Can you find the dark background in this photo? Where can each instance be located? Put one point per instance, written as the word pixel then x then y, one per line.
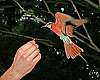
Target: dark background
pixel 54 65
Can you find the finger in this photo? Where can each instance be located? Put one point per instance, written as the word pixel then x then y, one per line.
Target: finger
pixel 27 45
pixel 30 50
pixel 33 64
pixel 36 59
pixel 33 55
pixel 22 49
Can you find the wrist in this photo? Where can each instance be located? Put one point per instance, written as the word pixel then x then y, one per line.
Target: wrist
pixel 10 74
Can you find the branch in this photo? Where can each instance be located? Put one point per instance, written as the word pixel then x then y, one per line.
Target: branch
pixel 48 8
pixel 97 49
pixel 43 41
pixel 90 39
pixel 93 56
pixel 38 19
pixel 99 2
pixel 53 16
pixel 81 35
pixel 86 44
pixel 19 6
pixel 92 3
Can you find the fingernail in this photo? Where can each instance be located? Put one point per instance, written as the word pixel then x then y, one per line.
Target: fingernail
pixel 39 50
pixel 33 41
pixel 37 46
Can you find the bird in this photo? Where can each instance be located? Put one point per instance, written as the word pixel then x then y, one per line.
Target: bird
pixel 65 32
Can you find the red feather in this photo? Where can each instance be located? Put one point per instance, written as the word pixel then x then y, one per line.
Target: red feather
pixel 71 49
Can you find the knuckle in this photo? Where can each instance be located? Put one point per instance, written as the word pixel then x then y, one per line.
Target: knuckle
pixel 33 41
pixel 28 60
pixel 24 56
pixel 36 45
pixel 19 52
pixel 36 51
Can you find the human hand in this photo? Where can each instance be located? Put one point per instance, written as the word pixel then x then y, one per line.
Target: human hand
pixel 25 59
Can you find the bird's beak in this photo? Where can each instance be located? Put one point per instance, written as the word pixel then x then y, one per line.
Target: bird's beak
pixel 47 25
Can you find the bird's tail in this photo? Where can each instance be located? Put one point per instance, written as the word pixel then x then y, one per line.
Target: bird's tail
pixel 72 50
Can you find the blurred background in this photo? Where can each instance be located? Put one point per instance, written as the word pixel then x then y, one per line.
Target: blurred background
pixel 22 20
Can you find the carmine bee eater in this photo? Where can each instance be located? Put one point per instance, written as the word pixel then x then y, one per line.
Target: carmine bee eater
pixel 65 31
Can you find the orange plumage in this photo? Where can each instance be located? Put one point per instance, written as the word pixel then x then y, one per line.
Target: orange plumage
pixel 66 31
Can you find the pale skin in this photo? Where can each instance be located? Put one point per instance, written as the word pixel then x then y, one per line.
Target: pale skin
pixel 26 57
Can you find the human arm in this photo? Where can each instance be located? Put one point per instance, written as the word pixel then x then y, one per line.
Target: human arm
pixel 25 60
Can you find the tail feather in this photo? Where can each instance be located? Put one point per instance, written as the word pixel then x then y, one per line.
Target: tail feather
pixel 69 51
pixel 66 46
pixel 72 50
pixel 75 52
